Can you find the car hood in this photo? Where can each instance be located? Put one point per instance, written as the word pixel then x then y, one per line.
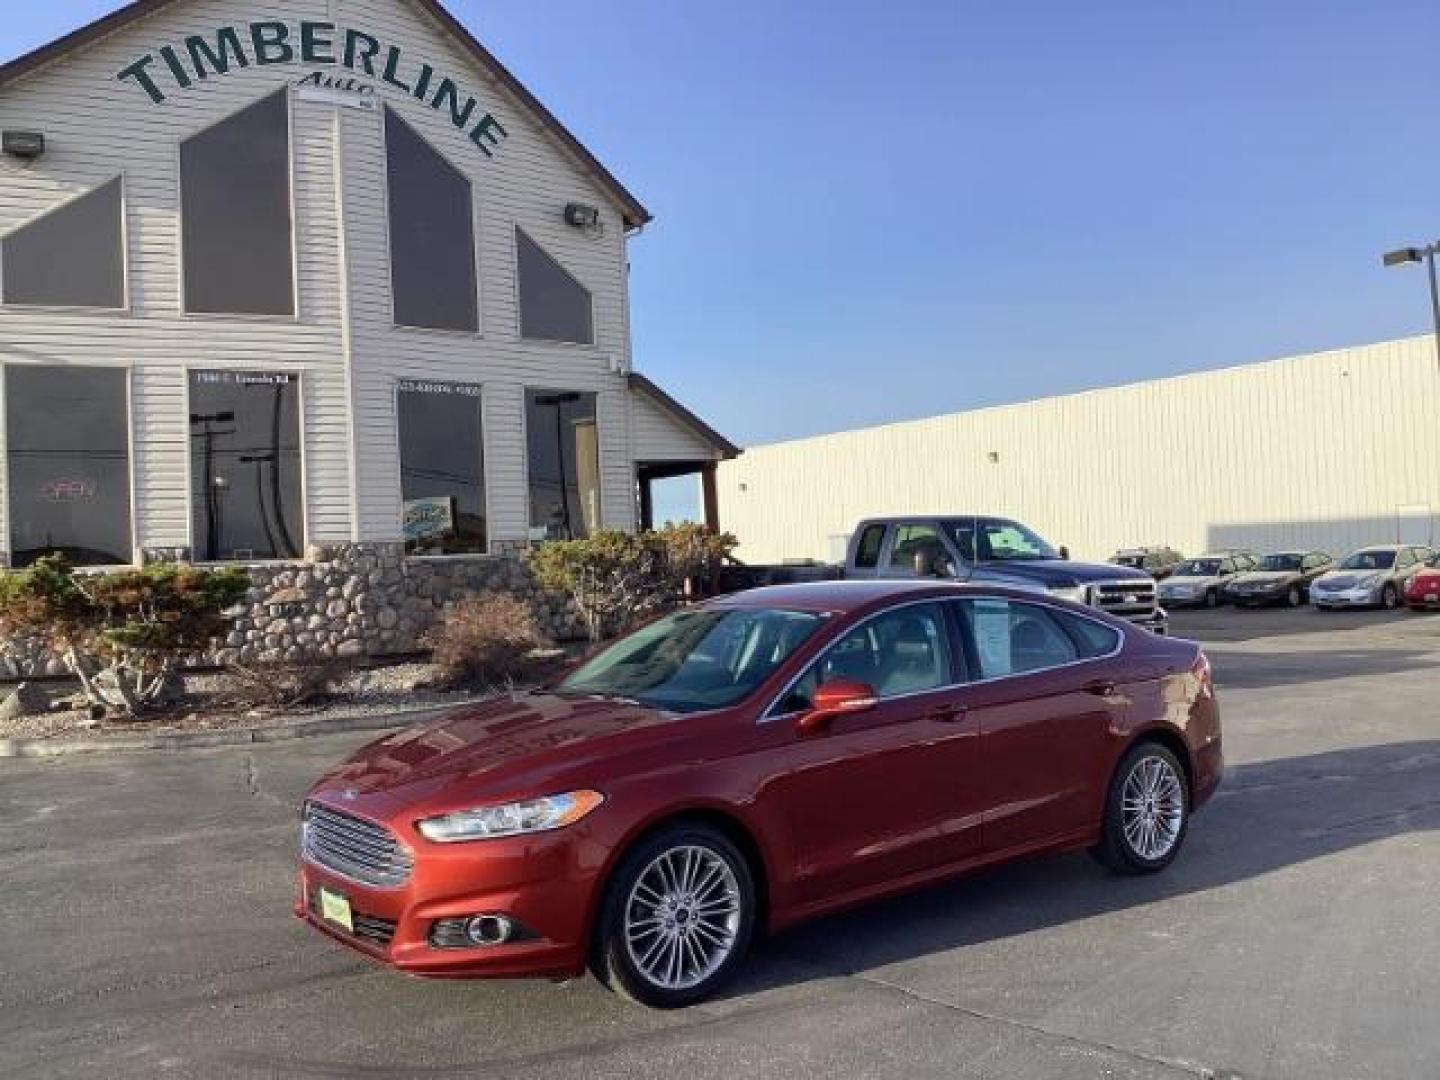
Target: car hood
pixel 1346 579
pixel 1058 573
pixel 509 745
pixel 1176 579
pixel 1264 577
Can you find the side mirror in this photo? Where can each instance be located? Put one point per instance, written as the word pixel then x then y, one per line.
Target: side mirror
pixel 1064 553
pixel 839 697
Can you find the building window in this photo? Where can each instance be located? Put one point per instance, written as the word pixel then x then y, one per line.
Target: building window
pixel 564 460
pixel 432 234
pixel 68 442
pixel 236 220
pixel 246 499
pixel 442 468
pixel 553 305
pixel 73 256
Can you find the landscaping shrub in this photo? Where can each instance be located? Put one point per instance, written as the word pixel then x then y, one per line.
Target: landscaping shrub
pixel 285 685
pixel 122 634
pixel 486 640
pixel 694 555
pixel 615 578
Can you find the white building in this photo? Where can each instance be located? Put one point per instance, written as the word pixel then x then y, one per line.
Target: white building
pixel 284 277
pixel 1329 451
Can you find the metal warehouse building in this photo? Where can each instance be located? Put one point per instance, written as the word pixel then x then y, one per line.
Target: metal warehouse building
pixel 1332 451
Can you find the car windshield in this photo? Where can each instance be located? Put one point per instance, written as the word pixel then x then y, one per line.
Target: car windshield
pixel 998 541
pixel 1280 562
pixel 694 660
pixel 1198 568
pixel 1369 560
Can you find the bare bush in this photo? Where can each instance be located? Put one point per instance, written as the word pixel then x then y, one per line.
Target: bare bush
pixel 286 685
pixel 486 641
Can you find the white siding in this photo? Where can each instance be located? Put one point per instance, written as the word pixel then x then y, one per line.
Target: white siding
pixel 97 127
pixel 1315 451
pixel 660 437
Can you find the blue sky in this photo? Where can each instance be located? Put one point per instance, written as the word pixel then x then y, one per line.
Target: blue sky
pixel 872 211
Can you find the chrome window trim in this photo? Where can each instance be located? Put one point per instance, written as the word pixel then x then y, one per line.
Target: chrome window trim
pixel 769 715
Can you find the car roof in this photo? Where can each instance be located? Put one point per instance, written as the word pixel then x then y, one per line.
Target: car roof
pixel 836 596
pixel 1384 547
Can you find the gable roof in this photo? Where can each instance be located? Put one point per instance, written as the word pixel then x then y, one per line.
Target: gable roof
pixel 635 214
pixel 641 385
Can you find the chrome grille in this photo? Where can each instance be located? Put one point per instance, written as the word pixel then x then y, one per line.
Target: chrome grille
pixel 1129 598
pixel 369 928
pixel 353 847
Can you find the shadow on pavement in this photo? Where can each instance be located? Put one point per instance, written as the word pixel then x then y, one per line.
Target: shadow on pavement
pixel 1256 671
pixel 1268 816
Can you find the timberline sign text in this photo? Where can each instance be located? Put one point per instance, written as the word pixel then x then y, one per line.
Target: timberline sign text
pixel 261 44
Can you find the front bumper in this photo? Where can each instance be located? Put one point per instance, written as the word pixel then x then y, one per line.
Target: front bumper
pixel 1345 598
pixel 540 882
pixel 1255 599
pixel 1157 622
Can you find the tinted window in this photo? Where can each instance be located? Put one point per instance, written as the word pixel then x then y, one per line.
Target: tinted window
pixel 694 660
pixel 904 651
pixel 432 234
pixel 564 464
pixel 1091 638
pixel 1012 638
pixel 72 257
pixel 67 433
pixel 235 194
pixel 553 305
pixel 915 542
pixel 1369 560
pixel 245 465
pixel 867 551
pixel 442 468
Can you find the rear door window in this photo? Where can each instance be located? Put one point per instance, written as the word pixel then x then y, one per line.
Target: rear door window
pixel 867 551
pixel 1011 638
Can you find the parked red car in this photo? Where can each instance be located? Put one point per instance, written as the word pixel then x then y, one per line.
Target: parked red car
pixel 1423 591
pixel 740 766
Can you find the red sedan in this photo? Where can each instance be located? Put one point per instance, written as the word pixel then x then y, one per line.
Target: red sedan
pixel 734 768
pixel 1423 591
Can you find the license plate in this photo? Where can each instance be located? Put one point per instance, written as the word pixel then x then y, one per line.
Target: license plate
pixel 336 909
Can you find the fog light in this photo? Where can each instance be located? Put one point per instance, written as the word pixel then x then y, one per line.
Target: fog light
pixel 489 929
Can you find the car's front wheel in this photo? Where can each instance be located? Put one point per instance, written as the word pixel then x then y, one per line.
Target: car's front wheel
pixel 1293 597
pixel 677 917
pixel 1389 597
pixel 1147 812
pixel 1212 598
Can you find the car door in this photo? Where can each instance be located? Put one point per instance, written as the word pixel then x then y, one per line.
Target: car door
pixel 887 792
pixel 1048 695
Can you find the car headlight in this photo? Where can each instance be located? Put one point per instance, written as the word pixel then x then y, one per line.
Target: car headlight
pixel 1077 593
pixel 511 819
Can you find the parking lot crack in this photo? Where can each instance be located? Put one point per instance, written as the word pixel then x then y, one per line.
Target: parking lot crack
pixel 252 782
pixel 1184 1068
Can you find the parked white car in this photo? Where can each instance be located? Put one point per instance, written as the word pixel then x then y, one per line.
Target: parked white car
pixel 1371 577
pixel 1200 582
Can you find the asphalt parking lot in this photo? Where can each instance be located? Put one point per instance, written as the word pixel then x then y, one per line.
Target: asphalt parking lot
pixel 145 925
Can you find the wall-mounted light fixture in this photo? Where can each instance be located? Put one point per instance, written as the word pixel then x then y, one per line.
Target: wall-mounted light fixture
pixel 580 216
pixel 25 145
pixel 994 456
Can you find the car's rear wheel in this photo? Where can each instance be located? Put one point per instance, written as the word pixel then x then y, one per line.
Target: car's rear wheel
pixel 677 917
pixel 1389 597
pixel 1147 812
pixel 1293 597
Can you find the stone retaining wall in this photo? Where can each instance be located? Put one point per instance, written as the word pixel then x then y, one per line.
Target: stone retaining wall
pixel 355 601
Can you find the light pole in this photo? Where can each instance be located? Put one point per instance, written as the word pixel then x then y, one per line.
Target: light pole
pixel 1407 256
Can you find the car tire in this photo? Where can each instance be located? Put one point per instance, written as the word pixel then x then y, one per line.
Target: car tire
pixel 1212 598
pixel 1390 597
pixel 1293 597
pixel 1147 812
pixel 677 917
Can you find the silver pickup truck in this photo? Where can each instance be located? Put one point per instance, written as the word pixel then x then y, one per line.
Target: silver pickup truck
pixel 1001 552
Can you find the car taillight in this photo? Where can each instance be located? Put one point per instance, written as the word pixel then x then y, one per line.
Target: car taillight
pixel 1201 668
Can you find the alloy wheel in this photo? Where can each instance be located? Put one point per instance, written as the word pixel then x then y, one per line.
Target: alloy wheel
pixel 682 917
pixel 1152 808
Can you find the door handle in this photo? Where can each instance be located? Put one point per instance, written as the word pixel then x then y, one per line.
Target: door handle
pixel 948 714
pixel 1100 688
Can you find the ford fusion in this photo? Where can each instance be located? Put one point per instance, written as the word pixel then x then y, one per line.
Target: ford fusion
pixel 737 767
